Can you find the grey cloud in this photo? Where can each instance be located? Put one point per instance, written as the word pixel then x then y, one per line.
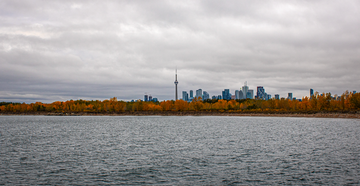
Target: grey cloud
pixel 53 50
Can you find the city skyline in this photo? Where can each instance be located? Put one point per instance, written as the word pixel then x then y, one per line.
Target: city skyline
pixel 94 50
pixel 243 93
pixel 238 93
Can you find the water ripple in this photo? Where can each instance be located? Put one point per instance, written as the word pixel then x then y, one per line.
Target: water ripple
pixel 38 150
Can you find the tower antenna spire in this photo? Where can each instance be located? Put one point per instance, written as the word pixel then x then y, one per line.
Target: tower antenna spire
pixel 176 83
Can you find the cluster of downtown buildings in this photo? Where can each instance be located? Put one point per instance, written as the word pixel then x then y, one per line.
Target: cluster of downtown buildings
pixel 243 93
pixel 149 98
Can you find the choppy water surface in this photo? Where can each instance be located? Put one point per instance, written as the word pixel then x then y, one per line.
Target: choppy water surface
pixel 178 150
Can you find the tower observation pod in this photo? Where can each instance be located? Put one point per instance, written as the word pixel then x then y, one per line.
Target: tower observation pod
pixel 176 83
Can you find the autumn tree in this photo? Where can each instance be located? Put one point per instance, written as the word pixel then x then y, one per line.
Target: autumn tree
pixel 181 105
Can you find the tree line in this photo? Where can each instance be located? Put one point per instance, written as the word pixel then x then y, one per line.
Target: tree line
pixel 347 102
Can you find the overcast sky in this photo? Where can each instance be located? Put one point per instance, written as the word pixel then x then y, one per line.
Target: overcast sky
pixel 60 50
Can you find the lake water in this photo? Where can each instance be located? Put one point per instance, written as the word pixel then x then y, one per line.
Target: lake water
pixel 176 150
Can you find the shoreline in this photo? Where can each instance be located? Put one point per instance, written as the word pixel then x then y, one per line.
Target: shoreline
pixel 305 115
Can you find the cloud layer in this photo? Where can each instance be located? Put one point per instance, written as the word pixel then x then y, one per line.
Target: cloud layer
pixel 61 50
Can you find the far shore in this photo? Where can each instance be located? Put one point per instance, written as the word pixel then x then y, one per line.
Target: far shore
pixel 354 115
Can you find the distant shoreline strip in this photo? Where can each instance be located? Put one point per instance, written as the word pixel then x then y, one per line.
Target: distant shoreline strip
pixel 306 115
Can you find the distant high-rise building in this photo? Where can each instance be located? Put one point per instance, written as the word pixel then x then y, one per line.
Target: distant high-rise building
pixel 191 94
pixel 242 95
pixel 248 95
pixel 185 96
pixel 206 95
pixel 265 96
pixel 146 98
pixel 154 99
pixel 277 96
pixel 245 89
pixel 311 92
pixel 150 98
pixel 237 94
pixel 354 92
pixel 199 93
pixel 260 93
pixel 251 95
pixel 226 94
pixel 219 97
pixel 290 96
pixel 268 96
pixel 247 92
pixel 213 97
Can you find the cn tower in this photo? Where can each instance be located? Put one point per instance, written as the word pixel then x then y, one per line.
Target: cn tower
pixel 176 83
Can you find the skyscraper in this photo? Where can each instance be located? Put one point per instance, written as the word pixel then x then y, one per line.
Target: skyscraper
pixel 237 94
pixel 146 97
pixel 198 93
pixel 277 96
pixel 242 95
pixel 268 96
pixel 176 83
pixel 290 96
pixel 185 96
pixel 311 92
pixel 245 89
pixel 248 95
pixel 226 94
pixel 260 93
pixel 191 94
pixel 206 95
pixel 251 95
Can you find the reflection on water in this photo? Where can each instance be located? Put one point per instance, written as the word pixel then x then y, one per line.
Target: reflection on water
pixel 178 150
